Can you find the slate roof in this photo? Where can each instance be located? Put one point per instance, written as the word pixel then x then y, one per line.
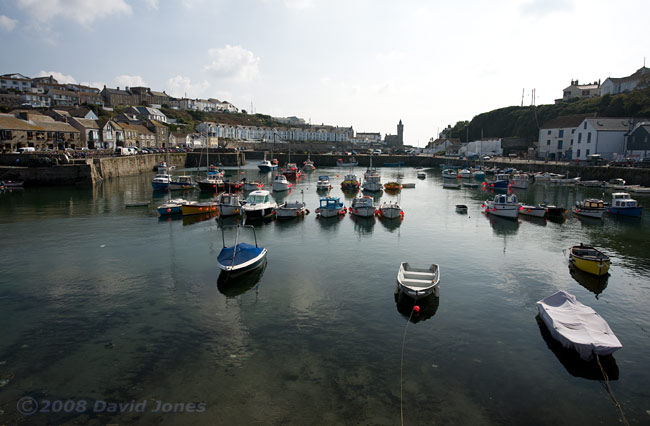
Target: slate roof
pixel 565 121
pixel 634 77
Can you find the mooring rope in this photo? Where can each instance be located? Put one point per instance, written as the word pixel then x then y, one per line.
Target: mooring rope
pixel 401 366
pixel 611 394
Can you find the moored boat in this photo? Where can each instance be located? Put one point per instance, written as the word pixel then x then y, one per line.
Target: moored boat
pixel 589 259
pixel 181 183
pixel 577 326
pixel 421 174
pixel 289 210
pixel 350 182
pixel 554 211
pixel 590 207
pixel 391 210
pixel 330 207
pixel 352 162
pixel 363 206
pixel 171 207
pixel 291 171
pixel 259 204
pixel 465 174
pixel 450 185
pixel 461 208
pixel 308 165
pixel 252 185
pixel 624 205
pixel 160 182
pixel 280 183
pixel 519 181
pixel 530 210
pixel 503 205
pixel 449 174
pixel 240 257
pixel 204 207
pixel 418 282
pixel 210 184
pixel 393 186
pixel 501 181
pixel 229 204
pixel 323 183
pixel 266 166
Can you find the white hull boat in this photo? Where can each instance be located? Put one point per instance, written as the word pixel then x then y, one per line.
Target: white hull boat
pixel 534 211
pixel 280 183
pixel 289 210
pixel 589 208
pixel 391 210
pixel 323 182
pixel 372 183
pixel 418 282
pixel 229 204
pixel 363 207
pixel 503 205
pixel 259 204
pixel 331 207
pixel 577 326
pixel 450 185
pixel 519 181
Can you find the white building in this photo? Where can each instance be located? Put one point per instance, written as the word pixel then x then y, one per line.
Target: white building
pixel 604 136
pixel 556 136
pixel 488 146
pixel 614 86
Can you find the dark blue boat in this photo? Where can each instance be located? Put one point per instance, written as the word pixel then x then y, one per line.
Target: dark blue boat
pixel 241 257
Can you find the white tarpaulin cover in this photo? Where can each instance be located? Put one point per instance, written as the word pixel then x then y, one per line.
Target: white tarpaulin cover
pixel 577 326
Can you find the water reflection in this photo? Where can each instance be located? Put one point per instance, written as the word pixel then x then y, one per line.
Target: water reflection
pixel 233 286
pixel 503 226
pixel 170 217
pixel 196 218
pixel 593 283
pixel 350 194
pixel 363 225
pixel 228 220
pixel 280 196
pixel 572 362
pixel 391 224
pixel 590 221
pixel 376 195
pixel 428 306
pixel 329 222
pixel 539 221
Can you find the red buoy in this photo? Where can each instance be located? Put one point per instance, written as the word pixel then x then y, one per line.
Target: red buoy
pixel 416 308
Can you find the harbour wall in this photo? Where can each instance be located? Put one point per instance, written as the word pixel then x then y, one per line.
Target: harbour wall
pixel 215 157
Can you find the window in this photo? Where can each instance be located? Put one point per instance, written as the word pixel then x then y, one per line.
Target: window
pixel 548 132
pixel 585 126
pixel 587 153
pixel 559 144
pixel 579 137
pixel 589 137
pixel 548 142
pixel 578 153
pixel 571 143
pixel 561 134
pixel 573 131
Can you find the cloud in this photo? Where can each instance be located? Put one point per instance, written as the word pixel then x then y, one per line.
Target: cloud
pixel 546 7
pixel 96 84
pixel 82 11
pixel 153 4
pixel 125 80
pixel 180 86
pixel 7 23
pixel 233 62
pixel 59 76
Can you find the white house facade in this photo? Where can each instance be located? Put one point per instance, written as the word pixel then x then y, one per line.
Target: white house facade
pixel 482 147
pixel 556 137
pixel 604 136
pixel 614 86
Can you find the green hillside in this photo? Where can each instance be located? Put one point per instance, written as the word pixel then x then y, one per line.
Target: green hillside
pixel 517 121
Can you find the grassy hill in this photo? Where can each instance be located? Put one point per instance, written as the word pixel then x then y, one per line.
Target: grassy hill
pixel 517 121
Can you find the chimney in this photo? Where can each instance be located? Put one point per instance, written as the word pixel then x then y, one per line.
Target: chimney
pixel 118 87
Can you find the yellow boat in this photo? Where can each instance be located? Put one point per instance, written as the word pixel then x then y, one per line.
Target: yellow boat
pixel 589 259
pixel 200 208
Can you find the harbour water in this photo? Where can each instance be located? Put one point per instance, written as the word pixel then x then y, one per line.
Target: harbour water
pixel 107 304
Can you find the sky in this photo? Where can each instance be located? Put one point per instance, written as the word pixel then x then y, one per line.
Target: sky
pixel 360 63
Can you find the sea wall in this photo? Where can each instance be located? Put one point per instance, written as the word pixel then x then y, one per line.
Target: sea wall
pixel 237 158
pixel 111 167
pixel 66 174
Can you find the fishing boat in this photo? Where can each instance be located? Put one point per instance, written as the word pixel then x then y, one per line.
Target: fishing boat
pixel 164 168
pixel 420 173
pixel 323 183
pixel 280 183
pixel 465 174
pixel 553 211
pixel 590 207
pixel 171 207
pixel 363 206
pixel 351 162
pixel 229 204
pixel 205 207
pixel 240 257
pixel 471 184
pixel 266 166
pixel 391 210
pixel 291 171
pixel 418 283
pixel 160 182
pixel 253 185
pixel 461 208
pixel 259 204
pixel 330 207
pixel 501 181
pixel 181 183
pixel 503 205
pixel 232 185
pixel 393 186
pixel 624 205
pixel 350 182
pixel 589 259
pixel 291 209
pixel 12 183
pixel 308 165
pixel 211 184
pixel 372 183
pixel 530 210
pixel 449 174
pixel 450 185
pixel 519 181
pixel 577 326
pixel 478 174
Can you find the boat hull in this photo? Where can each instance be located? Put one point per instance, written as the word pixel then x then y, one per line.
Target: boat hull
pixel 391 212
pixel 362 211
pixel 627 211
pixel 266 169
pixel 247 258
pixel 418 283
pixel 595 264
pixel 532 211
pixel 279 187
pixel 169 209
pixel 199 208
pixel 258 212
pixel 509 212
pixel 595 213
pixel 206 186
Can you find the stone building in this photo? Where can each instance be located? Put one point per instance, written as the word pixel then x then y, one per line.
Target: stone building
pixel 398 139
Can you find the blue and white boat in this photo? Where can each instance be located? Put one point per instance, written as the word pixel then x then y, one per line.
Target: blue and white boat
pixel 172 207
pixel 240 257
pixel 266 166
pixel 449 174
pixel 624 205
pixel 330 207
pixel 502 181
pixel 160 182
pixel 182 182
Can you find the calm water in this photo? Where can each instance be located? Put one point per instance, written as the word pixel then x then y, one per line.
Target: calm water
pixel 99 302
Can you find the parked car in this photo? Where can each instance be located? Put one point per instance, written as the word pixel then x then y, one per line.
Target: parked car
pixel 622 162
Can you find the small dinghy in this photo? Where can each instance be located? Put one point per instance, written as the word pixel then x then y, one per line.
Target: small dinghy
pixel 577 326
pixel 589 259
pixel 240 257
pixel 461 208
pixel 418 282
